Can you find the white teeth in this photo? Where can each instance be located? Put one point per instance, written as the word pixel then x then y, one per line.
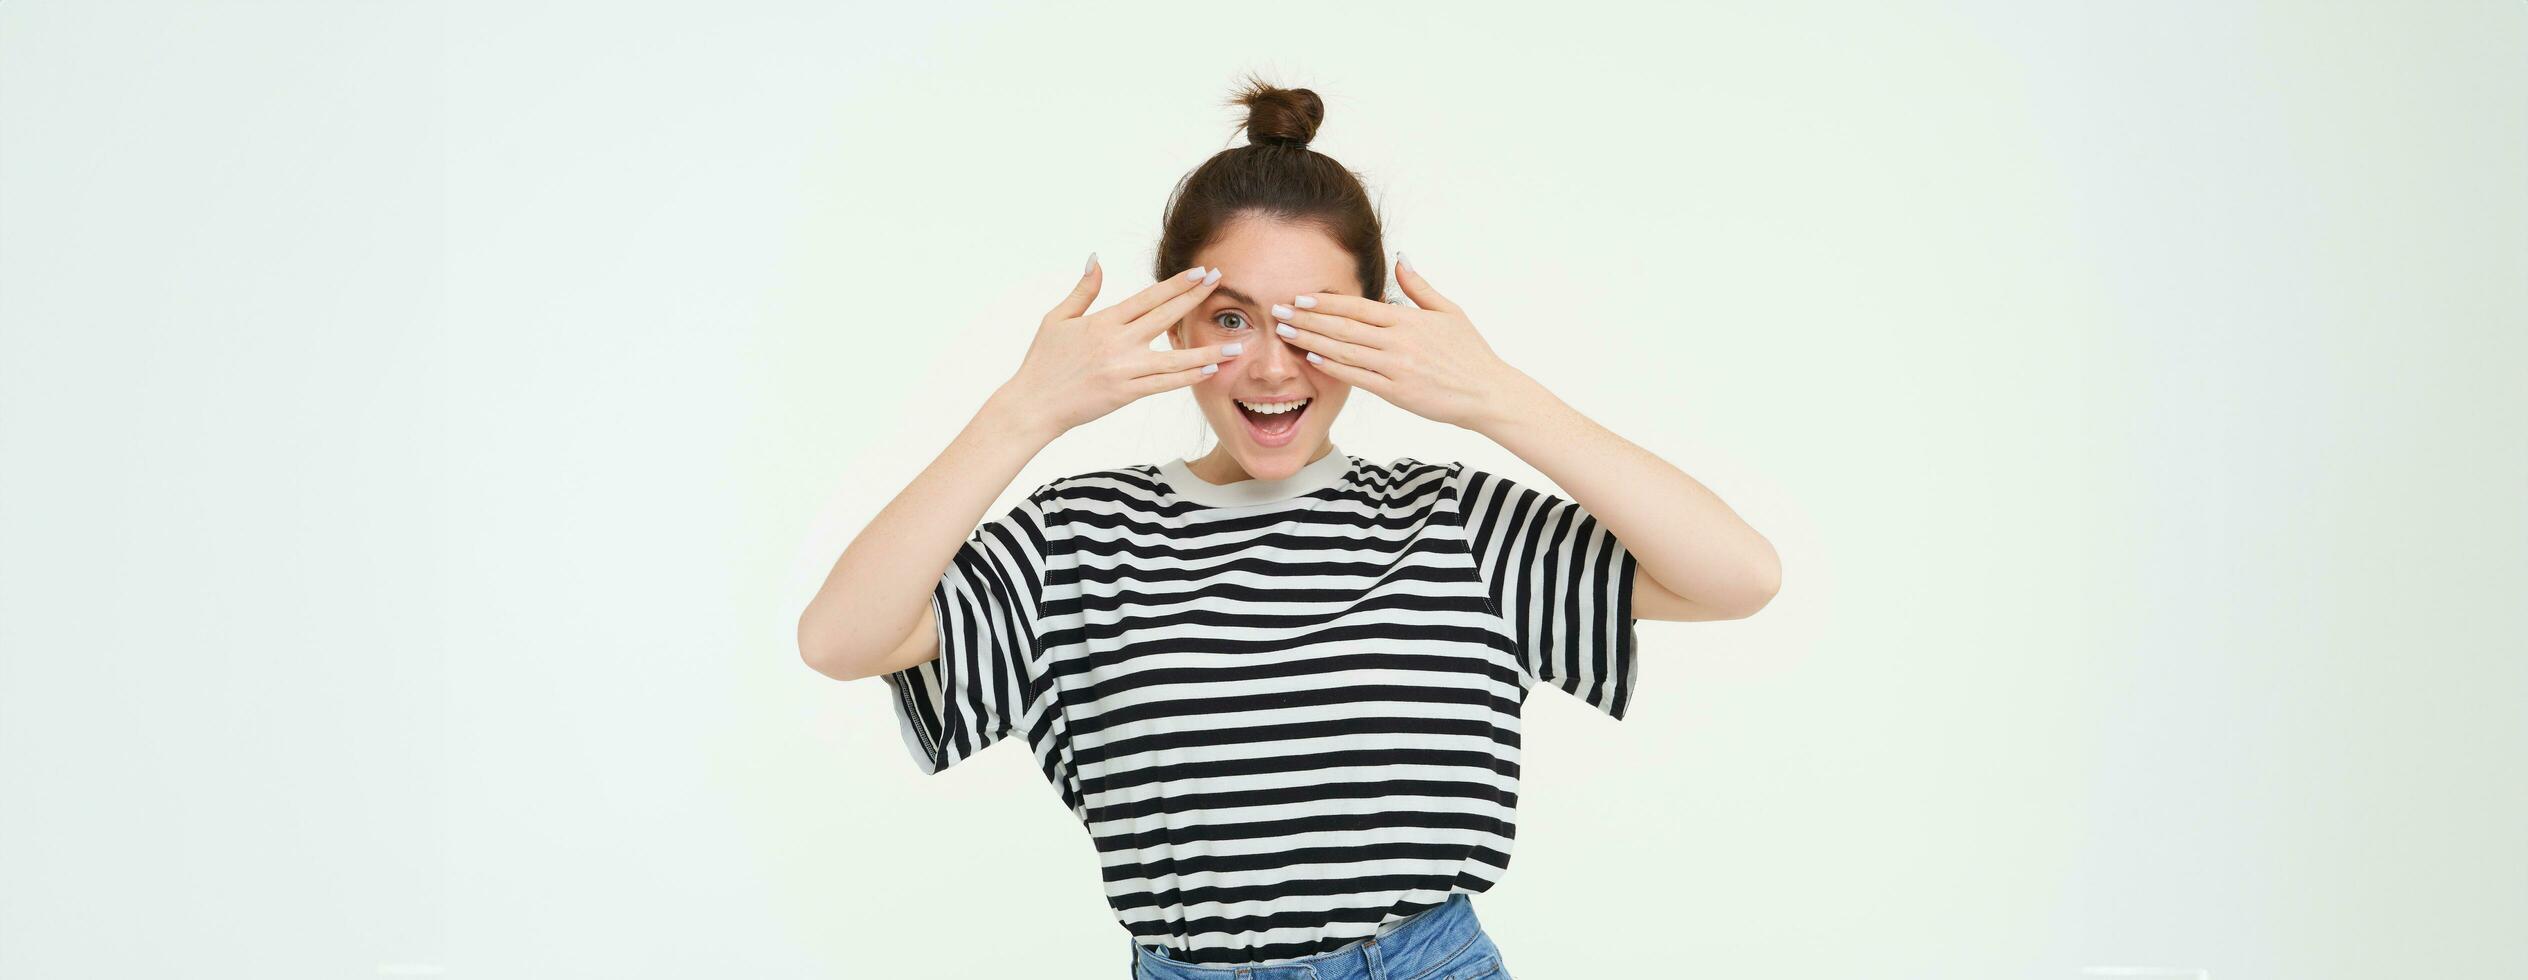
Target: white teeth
pixel 1275 408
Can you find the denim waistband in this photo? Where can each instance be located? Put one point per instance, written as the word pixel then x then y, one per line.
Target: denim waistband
pixel 1412 948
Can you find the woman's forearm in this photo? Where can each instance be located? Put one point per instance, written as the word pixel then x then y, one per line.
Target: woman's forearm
pixel 876 592
pixel 1685 538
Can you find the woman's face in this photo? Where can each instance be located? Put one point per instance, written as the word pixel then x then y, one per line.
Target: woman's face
pixel 1264 262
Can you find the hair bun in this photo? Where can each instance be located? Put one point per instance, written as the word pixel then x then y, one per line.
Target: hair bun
pixel 1280 116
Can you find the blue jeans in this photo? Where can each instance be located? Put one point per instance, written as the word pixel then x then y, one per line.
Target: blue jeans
pixel 1443 942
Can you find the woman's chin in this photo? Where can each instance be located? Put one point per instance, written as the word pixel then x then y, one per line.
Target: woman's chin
pixel 1265 462
pixel 1275 462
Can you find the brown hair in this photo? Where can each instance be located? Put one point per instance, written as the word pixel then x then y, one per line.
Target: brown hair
pixel 1274 175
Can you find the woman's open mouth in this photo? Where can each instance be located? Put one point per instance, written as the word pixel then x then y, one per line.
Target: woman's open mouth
pixel 1272 423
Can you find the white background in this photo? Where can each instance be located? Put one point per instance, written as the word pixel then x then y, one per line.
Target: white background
pixel 414 414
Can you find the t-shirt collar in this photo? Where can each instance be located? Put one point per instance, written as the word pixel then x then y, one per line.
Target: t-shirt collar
pixel 1327 471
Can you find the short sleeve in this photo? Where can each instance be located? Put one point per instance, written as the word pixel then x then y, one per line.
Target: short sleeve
pixel 987 680
pixel 1561 581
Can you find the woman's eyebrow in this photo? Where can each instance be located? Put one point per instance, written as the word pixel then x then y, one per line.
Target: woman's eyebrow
pixel 1244 299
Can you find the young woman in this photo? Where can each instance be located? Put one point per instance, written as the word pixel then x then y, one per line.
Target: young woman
pixel 1280 685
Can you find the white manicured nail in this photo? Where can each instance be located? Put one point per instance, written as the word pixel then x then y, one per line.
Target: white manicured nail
pixel 1211 369
pixel 1306 302
pixel 1194 273
pixel 1213 277
pixel 1314 359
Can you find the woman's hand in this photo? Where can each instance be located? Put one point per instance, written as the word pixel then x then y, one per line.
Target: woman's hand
pixel 1428 361
pixel 1081 367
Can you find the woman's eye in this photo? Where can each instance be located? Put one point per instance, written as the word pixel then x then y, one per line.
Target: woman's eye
pixel 1227 314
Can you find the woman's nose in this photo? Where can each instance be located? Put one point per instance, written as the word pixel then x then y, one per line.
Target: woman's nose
pixel 1273 352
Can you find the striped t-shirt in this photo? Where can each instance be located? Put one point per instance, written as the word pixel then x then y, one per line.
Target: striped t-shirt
pixel 1287 711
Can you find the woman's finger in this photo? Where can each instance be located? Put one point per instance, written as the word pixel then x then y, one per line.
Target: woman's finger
pixel 1360 308
pixel 1341 328
pixel 1082 293
pixel 1369 358
pixel 1155 322
pixel 1151 384
pixel 1419 289
pixel 1191 358
pixel 1134 306
pixel 1354 375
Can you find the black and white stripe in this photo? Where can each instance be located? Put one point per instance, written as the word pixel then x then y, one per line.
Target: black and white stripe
pixel 1549 567
pixel 1285 719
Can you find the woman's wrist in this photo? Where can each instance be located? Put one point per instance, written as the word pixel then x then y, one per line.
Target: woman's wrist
pixel 1516 399
pixel 1010 412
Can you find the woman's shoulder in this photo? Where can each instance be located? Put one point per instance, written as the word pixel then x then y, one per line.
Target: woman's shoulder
pixel 1147 480
pixel 1126 476
pixel 1404 470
